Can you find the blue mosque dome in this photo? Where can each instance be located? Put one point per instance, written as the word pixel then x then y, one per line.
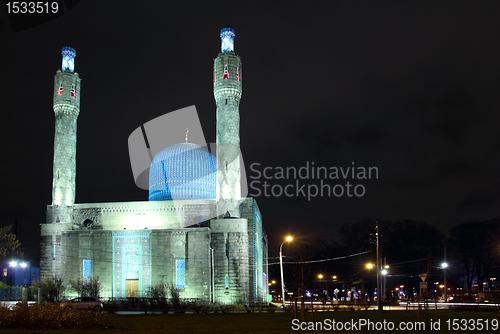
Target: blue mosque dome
pixel 182 171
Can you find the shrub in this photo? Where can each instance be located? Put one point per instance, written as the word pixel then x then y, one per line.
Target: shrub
pixel 51 317
pixel 178 305
pixel 159 297
pixel 52 288
pixel 92 288
pixel 200 307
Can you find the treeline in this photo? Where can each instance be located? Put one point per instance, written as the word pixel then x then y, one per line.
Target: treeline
pixel 411 249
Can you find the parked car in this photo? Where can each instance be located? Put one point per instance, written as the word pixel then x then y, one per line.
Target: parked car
pixel 84 302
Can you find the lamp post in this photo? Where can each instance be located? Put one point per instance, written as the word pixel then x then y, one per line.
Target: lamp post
pixel 444 265
pixel 281 269
pixel 272 292
pixel 320 276
pixel 384 272
pixel 13 264
pixel 24 265
pixel 379 260
pixel 365 288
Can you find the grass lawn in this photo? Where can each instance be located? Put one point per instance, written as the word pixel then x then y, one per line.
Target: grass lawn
pixel 272 322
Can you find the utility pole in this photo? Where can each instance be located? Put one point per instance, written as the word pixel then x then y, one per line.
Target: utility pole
pixel 444 272
pixel 385 277
pixel 379 270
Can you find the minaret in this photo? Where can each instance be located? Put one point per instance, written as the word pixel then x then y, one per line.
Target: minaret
pixel 66 108
pixel 227 93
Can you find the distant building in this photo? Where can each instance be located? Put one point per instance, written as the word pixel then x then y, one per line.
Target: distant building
pixel 18 273
pixel 133 246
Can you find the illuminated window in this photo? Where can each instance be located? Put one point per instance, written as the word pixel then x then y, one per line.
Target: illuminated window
pixel 180 273
pixel 238 76
pixel 60 89
pixel 227 282
pixel 54 252
pixel 4 272
pixel 226 72
pixel 214 75
pixel 87 271
pixel 73 90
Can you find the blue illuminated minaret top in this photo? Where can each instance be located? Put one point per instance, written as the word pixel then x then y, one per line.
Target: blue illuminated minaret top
pixel 227 38
pixel 68 59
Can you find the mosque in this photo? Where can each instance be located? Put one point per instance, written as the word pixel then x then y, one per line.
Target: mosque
pixel 133 246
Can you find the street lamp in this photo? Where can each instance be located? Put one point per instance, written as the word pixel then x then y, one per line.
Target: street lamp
pixel 281 268
pixel 369 266
pixel 320 276
pixel 384 272
pixel 444 265
pixel 13 264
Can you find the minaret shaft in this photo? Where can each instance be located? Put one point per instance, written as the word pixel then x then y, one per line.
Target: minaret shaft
pixel 66 107
pixel 227 93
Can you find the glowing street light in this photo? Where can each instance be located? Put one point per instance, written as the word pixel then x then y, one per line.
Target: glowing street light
pixel 370 265
pixel 320 276
pixel 281 268
pixel 14 264
pixel 444 265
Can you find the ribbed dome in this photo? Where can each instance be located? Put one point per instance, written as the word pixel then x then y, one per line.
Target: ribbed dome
pixel 182 171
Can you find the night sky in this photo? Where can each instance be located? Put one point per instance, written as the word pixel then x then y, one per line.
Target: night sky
pixel 409 87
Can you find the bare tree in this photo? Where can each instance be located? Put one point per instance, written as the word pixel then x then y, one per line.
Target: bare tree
pixel 475 244
pixel 92 288
pixel 301 271
pixel 52 288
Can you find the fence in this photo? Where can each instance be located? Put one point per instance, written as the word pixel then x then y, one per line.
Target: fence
pixel 15 293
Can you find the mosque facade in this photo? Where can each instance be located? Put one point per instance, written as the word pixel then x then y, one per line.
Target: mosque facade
pixel 135 246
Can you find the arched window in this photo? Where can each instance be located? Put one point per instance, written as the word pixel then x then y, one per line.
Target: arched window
pixel 60 89
pixel 87 223
pixel 226 72
pixel 73 90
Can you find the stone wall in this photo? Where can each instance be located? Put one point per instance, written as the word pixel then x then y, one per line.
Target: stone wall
pixel 192 244
pixel 230 244
pixel 76 242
